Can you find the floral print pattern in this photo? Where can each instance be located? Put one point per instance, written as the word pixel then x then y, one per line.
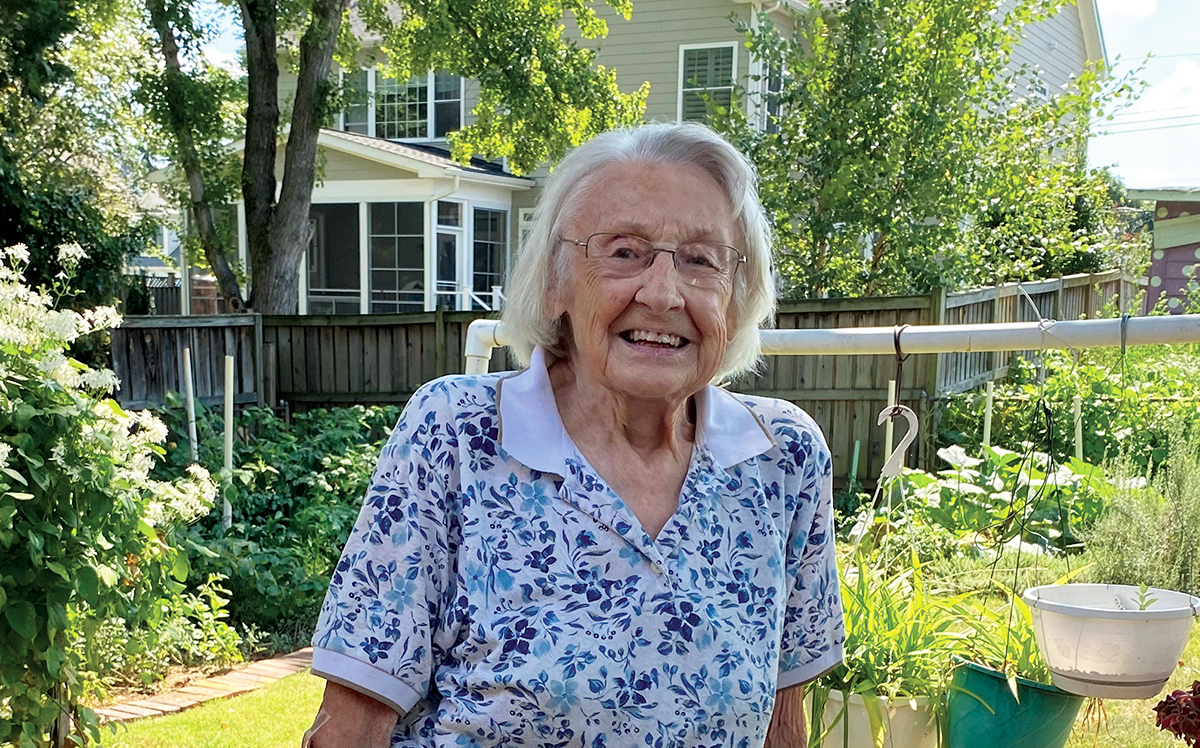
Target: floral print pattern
pixel 517 607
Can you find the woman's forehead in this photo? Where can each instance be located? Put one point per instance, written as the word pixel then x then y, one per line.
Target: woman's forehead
pixel 652 199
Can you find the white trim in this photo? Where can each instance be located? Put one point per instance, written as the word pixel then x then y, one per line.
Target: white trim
pixel 364 259
pixel 1167 194
pixel 679 77
pixel 302 302
pixel 756 110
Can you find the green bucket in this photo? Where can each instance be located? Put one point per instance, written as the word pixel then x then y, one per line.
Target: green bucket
pixel 1043 718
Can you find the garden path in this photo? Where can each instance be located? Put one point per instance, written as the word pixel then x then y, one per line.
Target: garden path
pixel 234 682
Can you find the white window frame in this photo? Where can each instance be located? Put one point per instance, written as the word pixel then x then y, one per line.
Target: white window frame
pixel 683 48
pixel 430 116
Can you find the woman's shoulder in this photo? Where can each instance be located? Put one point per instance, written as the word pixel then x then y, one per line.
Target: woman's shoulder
pixel 449 393
pixel 785 421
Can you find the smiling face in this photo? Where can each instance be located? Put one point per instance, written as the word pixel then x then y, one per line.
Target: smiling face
pixel 655 335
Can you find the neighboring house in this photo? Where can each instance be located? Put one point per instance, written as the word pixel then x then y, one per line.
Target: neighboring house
pixel 399 226
pixel 1176 256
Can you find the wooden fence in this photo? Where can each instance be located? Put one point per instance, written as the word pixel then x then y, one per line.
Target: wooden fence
pixel 310 361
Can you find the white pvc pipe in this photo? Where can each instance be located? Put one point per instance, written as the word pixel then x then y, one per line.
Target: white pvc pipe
pixel 189 394
pixel 483 335
pixel 1077 406
pixel 226 509
pixel 987 414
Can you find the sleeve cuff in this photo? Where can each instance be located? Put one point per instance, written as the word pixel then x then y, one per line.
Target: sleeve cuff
pixel 809 672
pixel 364 678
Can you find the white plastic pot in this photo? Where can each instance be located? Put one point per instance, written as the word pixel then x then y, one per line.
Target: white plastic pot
pixel 1099 642
pixel 904 726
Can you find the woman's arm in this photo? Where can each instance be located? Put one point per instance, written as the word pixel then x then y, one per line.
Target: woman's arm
pixel 788 729
pixel 349 719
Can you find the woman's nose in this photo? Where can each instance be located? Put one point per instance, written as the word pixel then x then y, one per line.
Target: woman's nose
pixel 660 284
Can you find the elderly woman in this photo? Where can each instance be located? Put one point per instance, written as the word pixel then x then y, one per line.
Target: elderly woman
pixel 603 549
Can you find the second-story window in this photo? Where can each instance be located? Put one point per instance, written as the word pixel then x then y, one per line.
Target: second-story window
pixel 425 107
pixel 705 70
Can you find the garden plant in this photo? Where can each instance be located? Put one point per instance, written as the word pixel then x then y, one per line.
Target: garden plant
pixel 86 535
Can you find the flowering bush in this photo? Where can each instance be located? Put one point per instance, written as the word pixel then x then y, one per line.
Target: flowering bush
pixel 84 531
pixel 1179 714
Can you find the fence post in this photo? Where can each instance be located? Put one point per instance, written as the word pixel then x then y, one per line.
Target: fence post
pixel 259 368
pixel 270 375
pixel 439 342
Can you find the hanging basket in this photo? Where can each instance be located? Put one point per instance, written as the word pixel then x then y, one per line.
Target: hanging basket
pixel 904 726
pixel 982 711
pixel 1111 640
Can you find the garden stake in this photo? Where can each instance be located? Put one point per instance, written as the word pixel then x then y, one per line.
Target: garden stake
pixel 1077 405
pixel 190 400
pixel 987 414
pixel 226 509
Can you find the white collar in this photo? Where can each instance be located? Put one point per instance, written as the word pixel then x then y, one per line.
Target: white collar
pixel 532 432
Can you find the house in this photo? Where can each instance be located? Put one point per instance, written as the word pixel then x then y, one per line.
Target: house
pixel 399 226
pixel 1175 260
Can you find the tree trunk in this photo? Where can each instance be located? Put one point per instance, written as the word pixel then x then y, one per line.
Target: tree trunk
pixel 259 21
pixel 276 251
pixel 201 211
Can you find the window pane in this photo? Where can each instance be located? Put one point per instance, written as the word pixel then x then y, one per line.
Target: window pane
pixel 449 214
pixel 383 218
pixel 383 252
pixel 383 280
pixel 709 71
pixel 447 118
pixel 354 92
pixel 402 109
pixel 447 87
pixel 490 249
pixel 410 218
pixel 410 252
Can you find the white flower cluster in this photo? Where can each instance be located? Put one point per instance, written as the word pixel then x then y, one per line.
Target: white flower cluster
pixel 183 501
pixel 70 255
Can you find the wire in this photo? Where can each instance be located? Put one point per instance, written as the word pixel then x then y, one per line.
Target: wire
pixel 1147 129
pixel 1156 119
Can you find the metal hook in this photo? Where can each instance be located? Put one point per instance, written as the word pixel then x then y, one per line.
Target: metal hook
pixel 901 356
pixel 895 461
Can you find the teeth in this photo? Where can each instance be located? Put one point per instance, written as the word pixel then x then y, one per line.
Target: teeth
pixel 656 337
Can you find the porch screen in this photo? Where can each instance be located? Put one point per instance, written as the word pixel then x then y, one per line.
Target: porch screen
pixel 397 257
pixel 333 278
pixel 491 250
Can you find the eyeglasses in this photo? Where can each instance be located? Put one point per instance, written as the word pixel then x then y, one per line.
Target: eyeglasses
pixel 626 256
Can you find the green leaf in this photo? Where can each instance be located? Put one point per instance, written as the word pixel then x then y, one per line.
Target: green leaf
pixel 19 496
pixel 58 569
pixel 22 618
pixel 87 584
pixel 181 567
pixel 109 577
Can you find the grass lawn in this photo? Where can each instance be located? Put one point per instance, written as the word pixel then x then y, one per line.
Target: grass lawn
pixel 277 716
pixel 274 716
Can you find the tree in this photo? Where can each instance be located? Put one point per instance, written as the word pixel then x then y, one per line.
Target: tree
pixel 540 94
pixel 69 142
pixel 895 135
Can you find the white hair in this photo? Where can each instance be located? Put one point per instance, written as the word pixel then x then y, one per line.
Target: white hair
pixel 540 261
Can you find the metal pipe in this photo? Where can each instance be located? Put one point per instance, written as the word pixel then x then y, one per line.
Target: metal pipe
pixel 484 335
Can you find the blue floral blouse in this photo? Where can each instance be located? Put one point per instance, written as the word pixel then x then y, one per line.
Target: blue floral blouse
pixel 497 593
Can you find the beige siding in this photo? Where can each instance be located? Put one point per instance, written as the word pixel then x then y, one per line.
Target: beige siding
pixel 1056 46
pixel 646 47
pixel 335 166
pixel 338 166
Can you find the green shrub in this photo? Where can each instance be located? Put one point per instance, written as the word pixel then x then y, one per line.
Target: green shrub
pixel 1150 531
pixel 295 493
pixel 84 530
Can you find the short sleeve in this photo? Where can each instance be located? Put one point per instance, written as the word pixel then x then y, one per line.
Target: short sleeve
pixel 382 624
pixel 813 630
